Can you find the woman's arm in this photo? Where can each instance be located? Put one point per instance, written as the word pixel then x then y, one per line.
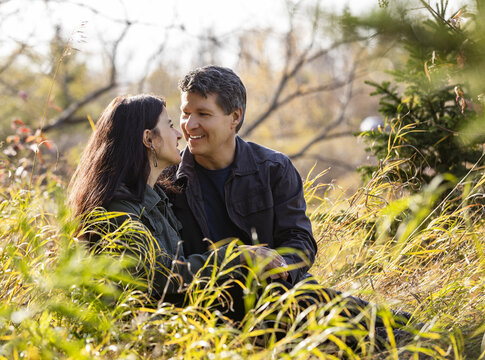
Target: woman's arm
pixel 167 272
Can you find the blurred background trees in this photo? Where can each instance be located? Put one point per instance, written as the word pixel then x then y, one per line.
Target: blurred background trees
pixel 305 77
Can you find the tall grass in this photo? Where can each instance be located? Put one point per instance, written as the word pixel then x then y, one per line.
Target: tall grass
pixel 59 300
pixel 421 252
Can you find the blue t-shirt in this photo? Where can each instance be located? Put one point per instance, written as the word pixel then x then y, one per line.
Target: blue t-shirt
pixel 212 186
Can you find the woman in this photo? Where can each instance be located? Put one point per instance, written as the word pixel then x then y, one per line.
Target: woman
pixel 134 142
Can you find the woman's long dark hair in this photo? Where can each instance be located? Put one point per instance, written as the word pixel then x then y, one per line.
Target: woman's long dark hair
pixel 115 154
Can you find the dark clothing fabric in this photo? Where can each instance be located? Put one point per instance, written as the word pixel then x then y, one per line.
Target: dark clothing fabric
pixel 193 241
pixel 213 181
pixel 163 252
pixel 350 306
pixel 263 196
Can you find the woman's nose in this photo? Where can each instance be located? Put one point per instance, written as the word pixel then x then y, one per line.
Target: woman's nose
pixel 179 134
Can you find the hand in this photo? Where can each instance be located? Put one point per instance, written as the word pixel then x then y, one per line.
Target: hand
pixel 260 253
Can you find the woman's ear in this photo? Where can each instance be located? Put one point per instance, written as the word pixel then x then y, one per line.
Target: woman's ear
pixel 147 138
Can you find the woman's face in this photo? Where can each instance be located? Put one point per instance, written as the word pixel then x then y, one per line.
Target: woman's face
pixel 166 141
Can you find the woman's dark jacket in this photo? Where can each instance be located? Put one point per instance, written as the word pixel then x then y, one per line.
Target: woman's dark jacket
pixel 164 251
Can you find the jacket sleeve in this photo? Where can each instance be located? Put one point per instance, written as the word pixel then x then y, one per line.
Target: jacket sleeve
pixel 166 273
pixel 292 227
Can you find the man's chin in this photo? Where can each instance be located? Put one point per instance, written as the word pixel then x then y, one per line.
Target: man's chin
pixel 195 150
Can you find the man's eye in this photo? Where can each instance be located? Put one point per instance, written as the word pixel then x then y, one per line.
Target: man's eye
pixel 204 114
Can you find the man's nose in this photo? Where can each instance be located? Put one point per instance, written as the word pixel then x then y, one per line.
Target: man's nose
pixel 191 122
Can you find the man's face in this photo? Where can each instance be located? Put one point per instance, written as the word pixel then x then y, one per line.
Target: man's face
pixel 209 132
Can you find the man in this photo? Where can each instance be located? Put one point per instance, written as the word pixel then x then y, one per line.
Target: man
pixel 235 188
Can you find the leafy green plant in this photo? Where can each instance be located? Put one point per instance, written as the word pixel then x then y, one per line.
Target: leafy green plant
pixel 428 109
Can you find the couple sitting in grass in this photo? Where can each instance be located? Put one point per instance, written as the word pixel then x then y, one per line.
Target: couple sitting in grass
pixel 194 202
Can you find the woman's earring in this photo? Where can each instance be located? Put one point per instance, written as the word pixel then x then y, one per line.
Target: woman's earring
pixel 154 155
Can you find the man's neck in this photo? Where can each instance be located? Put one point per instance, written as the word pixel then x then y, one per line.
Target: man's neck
pixel 221 160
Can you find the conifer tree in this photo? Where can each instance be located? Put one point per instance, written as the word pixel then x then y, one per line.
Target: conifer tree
pixel 432 108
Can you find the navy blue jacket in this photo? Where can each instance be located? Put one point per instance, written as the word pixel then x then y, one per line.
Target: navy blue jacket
pixel 264 192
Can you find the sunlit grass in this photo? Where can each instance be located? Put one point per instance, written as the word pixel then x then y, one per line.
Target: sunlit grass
pixel 415 252
pixel 59 299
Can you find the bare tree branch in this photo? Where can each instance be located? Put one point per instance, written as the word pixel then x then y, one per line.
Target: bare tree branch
pixel 332 162
pixel 66 115
pixel 324 134
pixel 290 73
pixel 94 10
pixel 151 60
pixel 114 52
pixel 332 136
pixel 13 56
pixel 12 89
pixel 305 91
pixel 3 2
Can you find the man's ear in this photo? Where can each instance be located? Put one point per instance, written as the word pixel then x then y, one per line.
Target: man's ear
pixel 147 138
pixel 236 118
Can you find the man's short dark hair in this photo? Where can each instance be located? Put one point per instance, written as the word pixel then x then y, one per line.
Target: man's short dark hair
pixel 211 79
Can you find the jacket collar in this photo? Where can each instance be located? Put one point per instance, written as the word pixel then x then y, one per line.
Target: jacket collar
pixel 151 196
pixel 244 162
pixel 187 165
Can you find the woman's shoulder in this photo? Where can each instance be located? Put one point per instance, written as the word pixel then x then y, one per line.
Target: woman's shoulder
pixel 125 206
pixel 121 204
